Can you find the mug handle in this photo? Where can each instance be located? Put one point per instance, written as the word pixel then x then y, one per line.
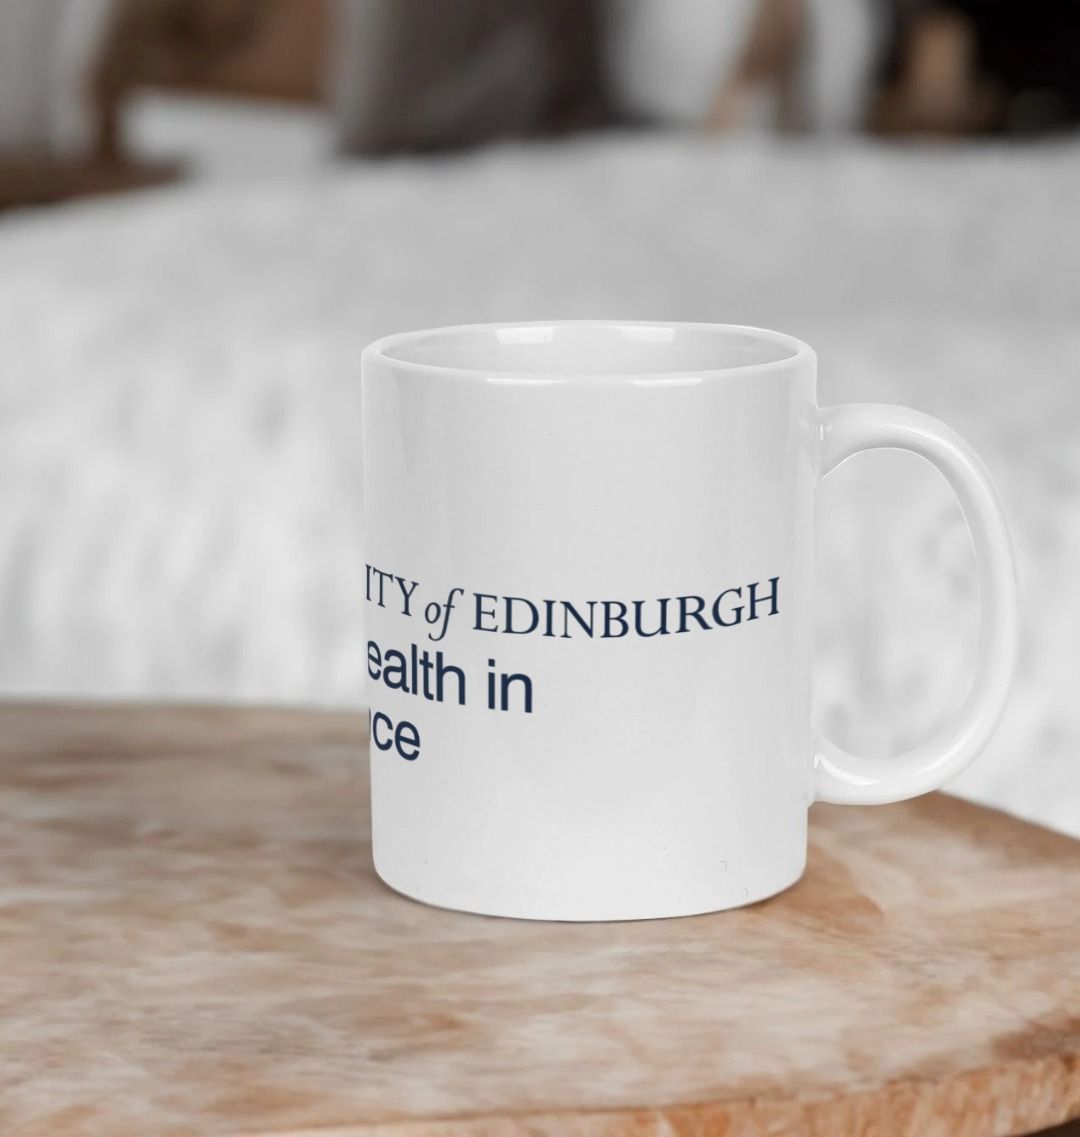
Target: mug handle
pixel 848 778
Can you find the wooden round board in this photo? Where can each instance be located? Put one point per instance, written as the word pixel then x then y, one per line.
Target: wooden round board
pixel 194 942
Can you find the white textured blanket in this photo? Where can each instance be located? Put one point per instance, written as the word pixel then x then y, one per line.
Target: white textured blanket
pixel 179 468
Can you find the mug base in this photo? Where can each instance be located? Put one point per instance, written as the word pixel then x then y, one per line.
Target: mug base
pixel 579 912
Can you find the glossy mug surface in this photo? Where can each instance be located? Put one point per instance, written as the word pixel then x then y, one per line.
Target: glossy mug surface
pixel 589 614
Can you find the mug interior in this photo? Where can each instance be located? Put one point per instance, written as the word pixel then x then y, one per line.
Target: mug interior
pixel 591 348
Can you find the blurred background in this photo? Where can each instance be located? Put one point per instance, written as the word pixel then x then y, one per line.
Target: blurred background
pixel 208 207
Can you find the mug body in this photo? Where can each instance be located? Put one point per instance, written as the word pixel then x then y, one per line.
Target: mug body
pixel 589 612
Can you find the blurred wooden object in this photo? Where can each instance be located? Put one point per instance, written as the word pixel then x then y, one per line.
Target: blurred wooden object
pixel 768 63
pixel 976 67
pixel 28 179
pixel 937 89
pixel 952 68
pixel 195 942
pixel 272 49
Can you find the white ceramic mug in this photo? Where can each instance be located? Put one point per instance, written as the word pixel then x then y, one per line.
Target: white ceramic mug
pixel 590 604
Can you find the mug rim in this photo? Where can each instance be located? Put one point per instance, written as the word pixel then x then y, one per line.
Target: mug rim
pixel 797 351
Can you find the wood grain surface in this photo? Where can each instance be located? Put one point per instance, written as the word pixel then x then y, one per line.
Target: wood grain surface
pixel 194 943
